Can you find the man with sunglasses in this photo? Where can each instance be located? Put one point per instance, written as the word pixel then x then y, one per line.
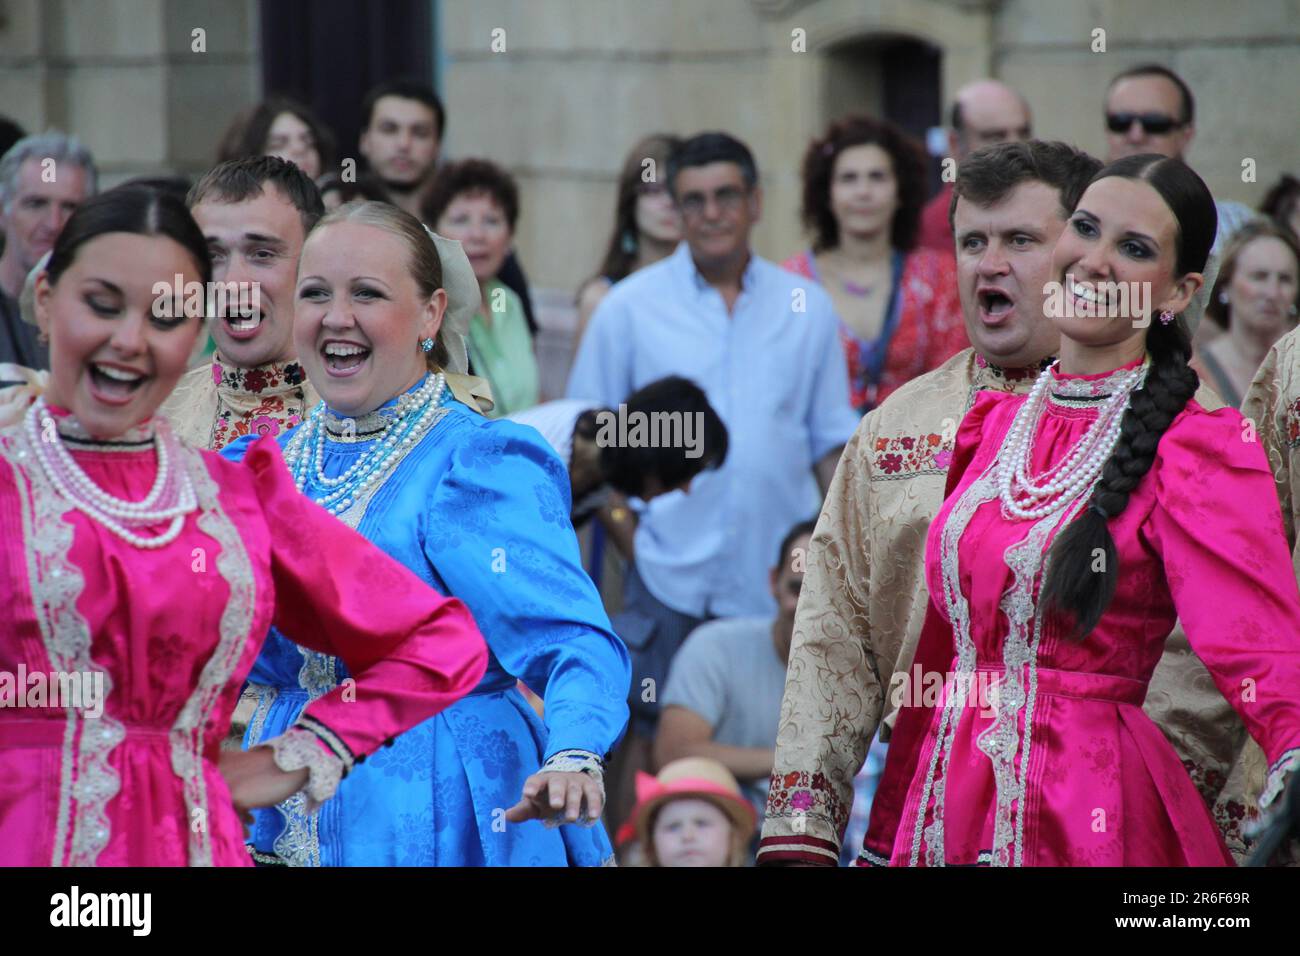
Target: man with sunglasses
pixel 1150 109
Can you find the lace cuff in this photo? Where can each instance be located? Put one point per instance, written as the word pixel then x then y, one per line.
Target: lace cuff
pixel 1286 764
pixel 297 749
pixel 576 761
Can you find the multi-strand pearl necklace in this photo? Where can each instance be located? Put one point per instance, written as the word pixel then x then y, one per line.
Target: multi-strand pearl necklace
pixel 1032 498
pixel 305 452
pixel 171 497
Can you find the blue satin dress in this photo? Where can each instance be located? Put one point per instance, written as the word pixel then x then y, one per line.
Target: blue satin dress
pixel 479 509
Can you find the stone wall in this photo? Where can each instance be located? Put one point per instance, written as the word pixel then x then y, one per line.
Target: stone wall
pixel 581 80
pixel 1241 60
pixel 124 76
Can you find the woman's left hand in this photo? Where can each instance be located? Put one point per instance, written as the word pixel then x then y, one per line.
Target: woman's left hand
pixel 562 797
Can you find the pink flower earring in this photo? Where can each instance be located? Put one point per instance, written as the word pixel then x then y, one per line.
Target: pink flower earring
pixel 1166 317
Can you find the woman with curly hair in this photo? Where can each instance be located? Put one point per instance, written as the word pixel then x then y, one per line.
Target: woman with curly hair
pixel 863 190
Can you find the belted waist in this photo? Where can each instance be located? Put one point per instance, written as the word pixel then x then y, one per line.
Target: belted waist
pixel 1082 685
pixel 50 731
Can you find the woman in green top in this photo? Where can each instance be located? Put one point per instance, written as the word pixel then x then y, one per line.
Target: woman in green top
pixel 477 203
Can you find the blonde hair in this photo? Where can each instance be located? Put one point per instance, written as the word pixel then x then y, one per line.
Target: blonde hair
pixel 1218 311
pixel 422 261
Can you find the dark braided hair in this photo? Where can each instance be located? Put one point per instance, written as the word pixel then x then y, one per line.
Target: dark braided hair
pixel 1073 590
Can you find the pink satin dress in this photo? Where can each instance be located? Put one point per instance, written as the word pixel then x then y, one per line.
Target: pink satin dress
pixel 169 634
pixel 1041 754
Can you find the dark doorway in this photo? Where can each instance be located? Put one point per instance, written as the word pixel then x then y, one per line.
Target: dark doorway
pixel 328 53
pixel 888 75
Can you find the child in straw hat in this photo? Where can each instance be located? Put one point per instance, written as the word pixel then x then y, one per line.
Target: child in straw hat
pixel 692 814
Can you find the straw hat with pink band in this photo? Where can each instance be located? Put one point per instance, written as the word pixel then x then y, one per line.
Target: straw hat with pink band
pixel 696 777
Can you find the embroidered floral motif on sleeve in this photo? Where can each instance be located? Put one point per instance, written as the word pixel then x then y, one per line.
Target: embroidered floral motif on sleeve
pixel 798 793
pixel 906 455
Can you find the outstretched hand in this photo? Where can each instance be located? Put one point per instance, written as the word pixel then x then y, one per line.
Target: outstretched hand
pixel 559 797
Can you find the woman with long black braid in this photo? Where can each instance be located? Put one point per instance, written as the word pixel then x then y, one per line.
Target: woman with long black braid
pixel 1081 520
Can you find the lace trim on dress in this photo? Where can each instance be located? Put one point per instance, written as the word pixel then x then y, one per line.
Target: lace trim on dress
pixel 265 695
pixel 233 631
pixel 1001 741
pixel 872 859
pixel 86 779
pixel 330 739
pixel 298 749
pixel 299 842
pixel 982 489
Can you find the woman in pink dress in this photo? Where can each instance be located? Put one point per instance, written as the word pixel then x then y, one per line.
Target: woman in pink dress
pixel 138 577
pixel 1080 521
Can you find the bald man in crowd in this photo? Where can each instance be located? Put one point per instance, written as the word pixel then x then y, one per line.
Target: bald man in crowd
pixel 984 113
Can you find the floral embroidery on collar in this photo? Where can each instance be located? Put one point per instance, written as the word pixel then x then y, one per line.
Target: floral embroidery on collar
pixel 996 376
pixel 265 400
pixel 273 376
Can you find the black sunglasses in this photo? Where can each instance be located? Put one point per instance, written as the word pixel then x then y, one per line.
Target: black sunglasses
pixel 1153 124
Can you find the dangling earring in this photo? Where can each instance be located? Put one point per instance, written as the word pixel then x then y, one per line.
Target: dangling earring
pixel 426 345
pixel 628 244
pixel 1223 298
pixel 1166 317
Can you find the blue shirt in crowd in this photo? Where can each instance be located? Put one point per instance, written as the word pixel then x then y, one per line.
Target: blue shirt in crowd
pixel 777 377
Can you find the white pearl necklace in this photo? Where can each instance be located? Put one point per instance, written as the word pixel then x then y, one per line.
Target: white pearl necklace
pixel 305 452
pixel 171 497
pixel 1030 498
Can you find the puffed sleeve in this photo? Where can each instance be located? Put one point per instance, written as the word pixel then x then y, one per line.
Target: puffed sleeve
pixel 411 654
pixel 833 697
pixel 497 533
pixel 1218 528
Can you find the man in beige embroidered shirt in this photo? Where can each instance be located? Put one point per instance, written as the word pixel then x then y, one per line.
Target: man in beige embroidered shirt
pixel 255 214
pixel 864 595
pixel 1272 407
